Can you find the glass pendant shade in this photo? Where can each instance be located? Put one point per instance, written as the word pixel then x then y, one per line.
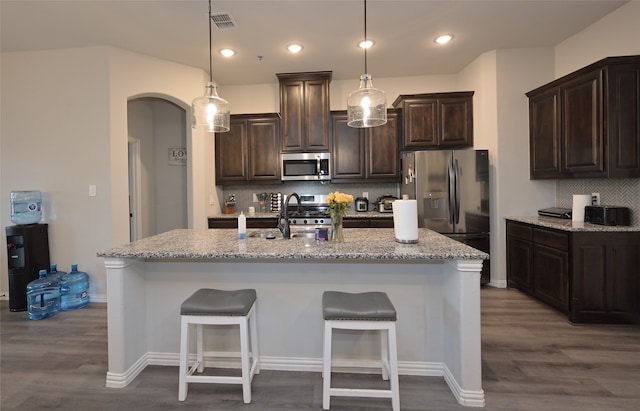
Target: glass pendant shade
pixel 210 112
pixel 367 106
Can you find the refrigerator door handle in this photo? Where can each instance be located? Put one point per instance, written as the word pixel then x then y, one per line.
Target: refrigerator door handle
pixel 451 177
pixel 457 194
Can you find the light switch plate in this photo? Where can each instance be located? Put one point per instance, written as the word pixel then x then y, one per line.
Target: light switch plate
pixel 92 190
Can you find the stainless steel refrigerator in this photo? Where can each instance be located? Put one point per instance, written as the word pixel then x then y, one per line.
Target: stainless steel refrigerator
pixel 452 189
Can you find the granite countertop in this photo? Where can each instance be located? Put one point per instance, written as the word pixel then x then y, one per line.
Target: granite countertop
pixel 360 244
pixel 350 214
pixel 569 225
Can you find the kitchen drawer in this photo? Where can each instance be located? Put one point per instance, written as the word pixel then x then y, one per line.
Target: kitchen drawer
pixel 223 223
pixel 355 223
pixel 262 223
pixel 521 231
pixel 382 223
pixel 251 223
pixel 553 239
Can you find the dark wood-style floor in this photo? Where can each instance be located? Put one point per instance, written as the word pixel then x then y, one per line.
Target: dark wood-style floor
pixel 532 359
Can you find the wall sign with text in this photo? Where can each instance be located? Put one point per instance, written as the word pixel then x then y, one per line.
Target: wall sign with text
pixel 177 156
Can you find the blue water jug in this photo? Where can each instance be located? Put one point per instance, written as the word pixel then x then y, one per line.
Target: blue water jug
pixel 26 207
pixel 54 274
pixel 74 289
pixel 43 297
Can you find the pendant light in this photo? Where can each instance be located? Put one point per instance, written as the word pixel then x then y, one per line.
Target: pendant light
pixel 210 112
pixel 367 106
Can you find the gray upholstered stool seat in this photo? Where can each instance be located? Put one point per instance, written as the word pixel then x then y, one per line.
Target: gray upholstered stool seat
pixel 207 301
pixel 209 307
pixel 363 306
pixel 361 311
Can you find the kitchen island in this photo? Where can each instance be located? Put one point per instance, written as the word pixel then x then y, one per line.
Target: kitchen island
pixel 435 286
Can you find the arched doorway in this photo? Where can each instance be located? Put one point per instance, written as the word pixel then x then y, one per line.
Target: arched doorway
pixel 157 166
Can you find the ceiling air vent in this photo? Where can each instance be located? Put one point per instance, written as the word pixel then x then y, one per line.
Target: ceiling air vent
pixel 223 21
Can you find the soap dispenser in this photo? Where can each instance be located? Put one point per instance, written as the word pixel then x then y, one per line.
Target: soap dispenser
pixel 242 226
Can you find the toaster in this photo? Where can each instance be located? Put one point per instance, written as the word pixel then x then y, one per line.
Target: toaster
pixel 607 215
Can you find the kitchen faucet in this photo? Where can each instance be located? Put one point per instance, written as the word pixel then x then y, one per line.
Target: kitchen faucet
pixel 283 221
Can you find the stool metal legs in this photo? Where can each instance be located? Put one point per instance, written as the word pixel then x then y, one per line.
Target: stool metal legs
pixel 389 359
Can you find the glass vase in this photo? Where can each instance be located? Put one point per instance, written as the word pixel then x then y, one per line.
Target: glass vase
pixel 336 228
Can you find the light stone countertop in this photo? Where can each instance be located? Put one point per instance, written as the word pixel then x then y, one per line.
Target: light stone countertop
pixel 360 244
pixel 569 225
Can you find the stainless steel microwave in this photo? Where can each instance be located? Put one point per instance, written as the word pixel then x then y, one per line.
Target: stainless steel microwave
pixel 306 166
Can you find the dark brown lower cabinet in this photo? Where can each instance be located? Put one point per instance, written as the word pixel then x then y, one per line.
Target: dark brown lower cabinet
pixel 251 222
pixel 357 222
pixel 606 277
pixel 348 222
pixel 593 276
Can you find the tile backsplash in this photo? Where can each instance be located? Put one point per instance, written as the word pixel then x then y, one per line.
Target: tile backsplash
pixel 244 193
pixel 614 192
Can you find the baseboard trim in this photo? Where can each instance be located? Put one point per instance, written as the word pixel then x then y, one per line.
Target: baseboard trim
pixel 464 397
pixel 427 369
pixel 116 380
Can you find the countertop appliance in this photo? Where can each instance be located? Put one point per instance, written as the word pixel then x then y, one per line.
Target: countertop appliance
pixel 607 215
pixel 452 189
pixel 362 204
pixel 314 211
pixel 384 203
pixel 305 166
pixel 556 212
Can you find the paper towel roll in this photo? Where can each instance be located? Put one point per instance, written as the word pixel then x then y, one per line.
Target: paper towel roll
pixel 580 201
pixel 405 220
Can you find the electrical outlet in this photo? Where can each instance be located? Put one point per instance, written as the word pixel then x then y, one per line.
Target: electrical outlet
pixel 365 194
pixel 595 198
pixel 255 198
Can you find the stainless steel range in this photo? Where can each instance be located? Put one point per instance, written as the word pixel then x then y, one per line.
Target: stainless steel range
pixel 313 211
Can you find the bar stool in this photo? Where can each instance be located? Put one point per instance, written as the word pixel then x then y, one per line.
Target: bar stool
pixel 218 307
pixel 364 311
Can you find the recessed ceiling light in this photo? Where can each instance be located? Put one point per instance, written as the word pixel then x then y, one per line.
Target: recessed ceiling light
pixel 294 48
pixel 227 52
pixel 365 44
pixel 444 39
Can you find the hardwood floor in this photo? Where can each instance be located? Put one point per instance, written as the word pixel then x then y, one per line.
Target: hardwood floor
pixel 533 359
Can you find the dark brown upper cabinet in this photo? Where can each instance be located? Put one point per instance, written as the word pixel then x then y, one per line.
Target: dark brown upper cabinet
pixel 304 106
pixel 436 120
pixel 366 154
pixel 587 123
pixel 250 151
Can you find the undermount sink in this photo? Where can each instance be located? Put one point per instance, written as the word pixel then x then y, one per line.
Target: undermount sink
pixel 271 234
pixel 264 234
pixel 303 234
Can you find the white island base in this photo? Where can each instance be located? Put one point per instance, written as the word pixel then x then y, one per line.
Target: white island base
pixel 437 301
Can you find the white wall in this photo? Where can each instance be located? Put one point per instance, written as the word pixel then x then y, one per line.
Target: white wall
pixel 55 138
pixel 78 136
pixel 169 123
pixel 141 128
pixel 616 34
pixel 518 71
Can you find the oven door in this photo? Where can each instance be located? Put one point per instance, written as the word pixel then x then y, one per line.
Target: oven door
pixel 305 166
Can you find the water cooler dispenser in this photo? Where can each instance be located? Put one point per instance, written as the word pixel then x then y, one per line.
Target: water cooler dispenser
pixel 27 253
